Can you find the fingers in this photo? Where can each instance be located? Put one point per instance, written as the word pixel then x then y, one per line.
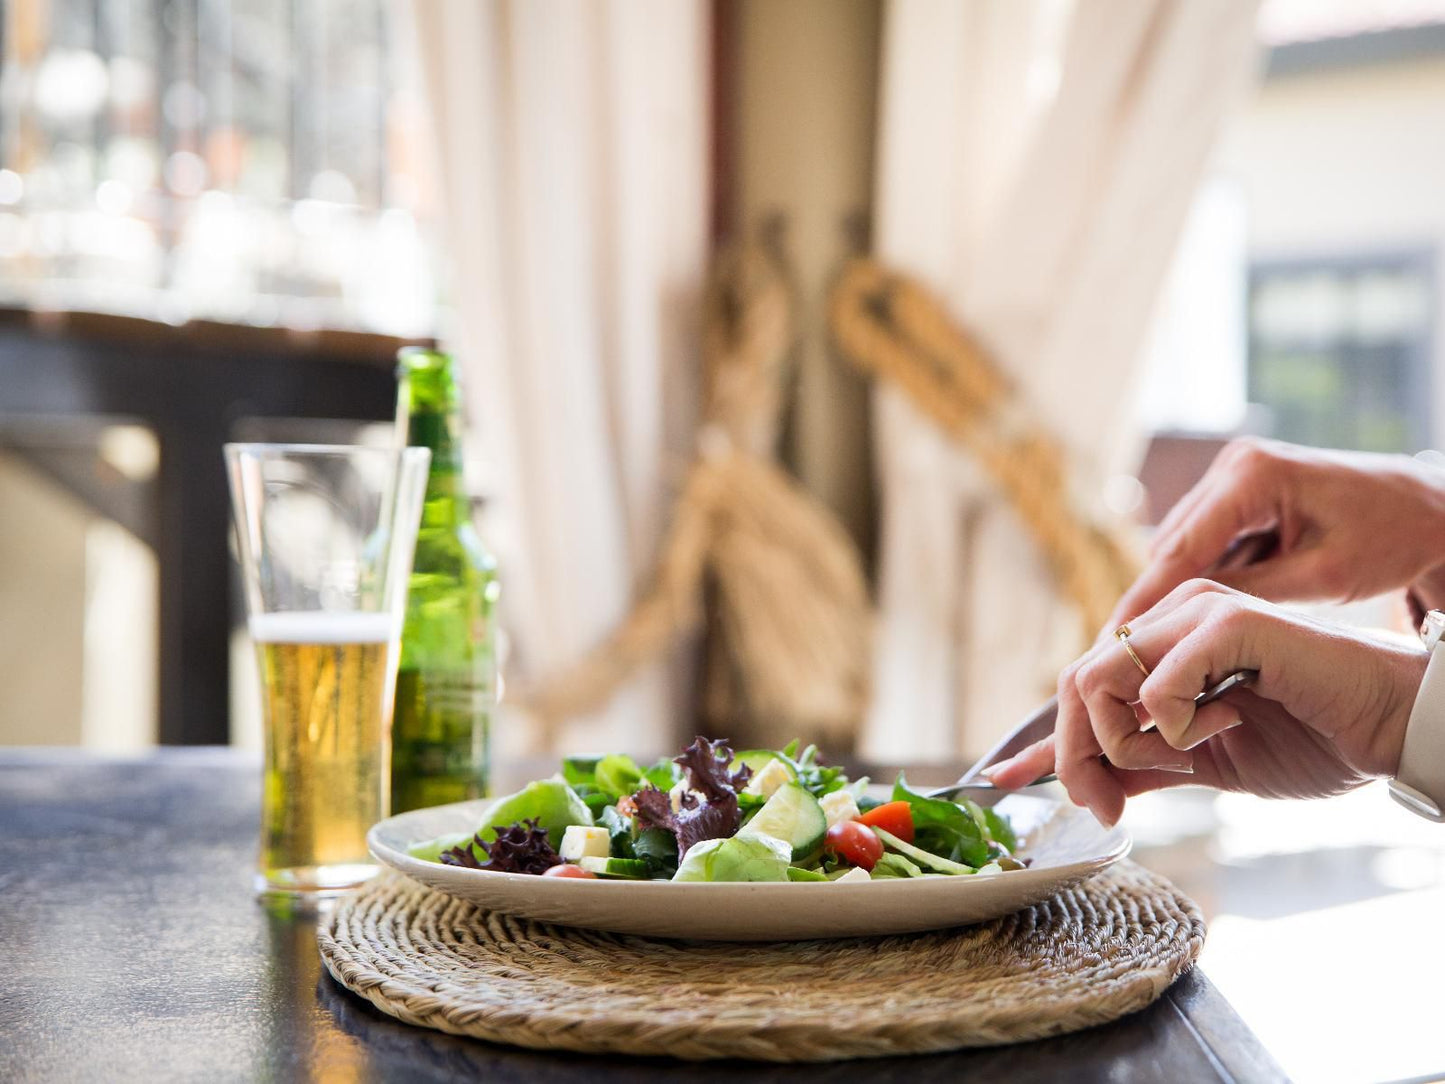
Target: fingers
pixel 1240 494
pixel 1097 695
pixel 1220 644
pixel 1077 749
pixel 1109 683
pixel 1121 737
pixel 1023 767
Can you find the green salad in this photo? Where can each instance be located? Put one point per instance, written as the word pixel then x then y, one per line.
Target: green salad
pixel 714 815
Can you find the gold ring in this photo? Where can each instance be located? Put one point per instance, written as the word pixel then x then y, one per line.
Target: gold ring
pixel 1122 634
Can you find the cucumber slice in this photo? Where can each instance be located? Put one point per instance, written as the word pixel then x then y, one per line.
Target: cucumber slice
pixel 633 869
pixel 796 874
pixel 920 856
pixel 793 815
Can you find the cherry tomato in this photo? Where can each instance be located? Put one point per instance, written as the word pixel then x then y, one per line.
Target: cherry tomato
pixel 896 818
pixel 567 869
pixel 855 843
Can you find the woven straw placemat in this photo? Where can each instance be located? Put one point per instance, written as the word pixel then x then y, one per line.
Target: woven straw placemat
pixel 1089 955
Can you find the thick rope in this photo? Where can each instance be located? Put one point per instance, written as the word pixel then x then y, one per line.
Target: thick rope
pixel 892 328
pixel 792 603
pixel 791 599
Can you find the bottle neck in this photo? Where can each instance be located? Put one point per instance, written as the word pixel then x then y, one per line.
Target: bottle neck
pixel 428 416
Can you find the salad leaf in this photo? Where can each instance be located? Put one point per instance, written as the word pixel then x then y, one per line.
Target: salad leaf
pixel 551 802
pixel 750 803
pixel 658 848
pixel 464 853
pixel 518 848
pixel 945 828
pixel 663 774
pixel 600 781
pixel 619 832
pixel 430 850
pixel 594 800
pixel 618 775
pixel 797 873
pixel 974 810
pixel 658 817
pixel 580 771
pixel 811 772
pixel 694 821
pixel 895 865
pixel 742 858
pixel 1001 830
pixel 706 764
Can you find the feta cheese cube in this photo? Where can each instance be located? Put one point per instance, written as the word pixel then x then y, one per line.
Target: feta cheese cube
pixel 773 776
pixel 582 842
pixel 838 807
pixel 857 873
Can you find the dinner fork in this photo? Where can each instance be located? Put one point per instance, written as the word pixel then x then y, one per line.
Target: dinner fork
pixel 1040 725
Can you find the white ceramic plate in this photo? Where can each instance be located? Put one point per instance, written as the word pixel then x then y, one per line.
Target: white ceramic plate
pixel 1066 844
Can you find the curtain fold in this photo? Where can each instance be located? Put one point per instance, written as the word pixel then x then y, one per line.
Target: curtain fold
pixel 1036 162
pixel 572 148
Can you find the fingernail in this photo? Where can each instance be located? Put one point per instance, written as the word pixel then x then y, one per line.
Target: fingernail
pixel 1181 768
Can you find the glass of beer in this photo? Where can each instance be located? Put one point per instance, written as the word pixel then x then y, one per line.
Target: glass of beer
pixel 325 535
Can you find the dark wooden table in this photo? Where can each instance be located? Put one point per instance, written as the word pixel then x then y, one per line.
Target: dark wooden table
pixel 131 948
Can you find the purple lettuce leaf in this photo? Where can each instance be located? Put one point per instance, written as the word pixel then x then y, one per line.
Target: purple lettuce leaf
pixel 694 822
pixel 518 848
pixel 706 764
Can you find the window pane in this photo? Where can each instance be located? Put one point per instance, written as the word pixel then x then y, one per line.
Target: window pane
pixel 226 159
pixel 1339 351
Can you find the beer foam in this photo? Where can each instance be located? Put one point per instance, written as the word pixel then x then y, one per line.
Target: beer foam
pixel 322 628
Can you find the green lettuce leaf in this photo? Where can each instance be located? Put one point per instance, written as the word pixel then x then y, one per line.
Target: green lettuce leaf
pixel 741 858
pixel 618 775
pixel 580 771
pixel 550 802
pixel 664 774
pixel 895 865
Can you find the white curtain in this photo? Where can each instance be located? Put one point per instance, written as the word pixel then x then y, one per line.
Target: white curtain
pixel 1036 162
pixel 572 146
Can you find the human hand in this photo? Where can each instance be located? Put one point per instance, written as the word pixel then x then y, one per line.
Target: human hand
pixel 1349 524
pixel 1326 714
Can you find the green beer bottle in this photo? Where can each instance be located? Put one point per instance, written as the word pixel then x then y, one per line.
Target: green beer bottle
pixel 447 677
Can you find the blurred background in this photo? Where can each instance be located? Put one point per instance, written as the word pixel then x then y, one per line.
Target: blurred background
pixel 218 218
pixel 1153 226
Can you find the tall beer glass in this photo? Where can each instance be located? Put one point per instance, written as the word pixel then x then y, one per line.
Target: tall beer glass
pixel 325 536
